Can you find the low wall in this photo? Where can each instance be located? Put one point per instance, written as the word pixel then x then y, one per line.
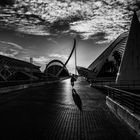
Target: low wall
pixel 18 87
pixel 24 86
pixel 125 114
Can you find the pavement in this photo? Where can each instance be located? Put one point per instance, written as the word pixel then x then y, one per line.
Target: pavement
pixel 56 112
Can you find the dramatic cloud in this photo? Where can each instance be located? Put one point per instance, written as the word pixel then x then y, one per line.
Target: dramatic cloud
pixel 53 41
pixel 96 22
pixel 8 49
pixel 41 60
pixel 12 50
pixel 9 53
pixel 59 56
pixel 10 44
pixel 86 18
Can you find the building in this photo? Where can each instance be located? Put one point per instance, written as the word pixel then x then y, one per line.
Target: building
pixel 12 69
pixel 56 69
pixel 106 66
pixel 129 72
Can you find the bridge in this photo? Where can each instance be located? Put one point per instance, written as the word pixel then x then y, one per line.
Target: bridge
pixel 102 109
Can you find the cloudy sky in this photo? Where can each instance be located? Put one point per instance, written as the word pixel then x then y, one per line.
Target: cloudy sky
pixel 44 29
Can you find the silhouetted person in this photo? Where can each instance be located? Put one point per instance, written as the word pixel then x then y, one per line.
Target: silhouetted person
pixel 73 79
pixel 77 99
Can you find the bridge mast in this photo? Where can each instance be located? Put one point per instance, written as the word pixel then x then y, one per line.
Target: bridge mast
pixel 74 46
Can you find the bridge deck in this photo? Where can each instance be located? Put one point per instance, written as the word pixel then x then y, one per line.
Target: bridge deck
pixel 49 112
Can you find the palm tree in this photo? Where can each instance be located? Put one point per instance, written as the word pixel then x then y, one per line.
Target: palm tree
pixel 117 58
pixel 108 69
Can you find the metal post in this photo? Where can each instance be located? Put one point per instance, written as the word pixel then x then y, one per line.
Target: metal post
pixel 75 62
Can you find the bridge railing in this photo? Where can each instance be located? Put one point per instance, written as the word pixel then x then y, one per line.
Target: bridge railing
pixel 125 98
pixel 131 86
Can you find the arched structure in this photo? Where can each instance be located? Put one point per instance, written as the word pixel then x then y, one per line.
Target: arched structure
pixel 53 67
pixel 56 68
pixel 117 45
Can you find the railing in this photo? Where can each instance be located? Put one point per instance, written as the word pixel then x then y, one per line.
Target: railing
pixel 130 86
pixel 127 99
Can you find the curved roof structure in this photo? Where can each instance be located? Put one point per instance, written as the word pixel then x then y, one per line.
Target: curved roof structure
pixel 54 67
pixel 12 62
pixel 53 62
pixel 10 66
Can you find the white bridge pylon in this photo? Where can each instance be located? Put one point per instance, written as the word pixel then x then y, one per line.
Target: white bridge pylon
pixel 57 70
pixel 74 48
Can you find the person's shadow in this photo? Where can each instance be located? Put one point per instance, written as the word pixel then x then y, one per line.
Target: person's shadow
pixel 77 99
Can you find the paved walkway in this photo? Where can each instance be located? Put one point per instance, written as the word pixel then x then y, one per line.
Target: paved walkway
pixel 50 113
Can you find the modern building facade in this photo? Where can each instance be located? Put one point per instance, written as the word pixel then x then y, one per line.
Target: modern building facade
pixel 12 69
pixel 106 66
pixel 56 69
pixel 129 72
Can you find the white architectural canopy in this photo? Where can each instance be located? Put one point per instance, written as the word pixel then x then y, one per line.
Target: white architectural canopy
pixel 117 45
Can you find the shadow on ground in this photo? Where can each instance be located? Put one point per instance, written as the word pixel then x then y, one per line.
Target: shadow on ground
pixel 77 99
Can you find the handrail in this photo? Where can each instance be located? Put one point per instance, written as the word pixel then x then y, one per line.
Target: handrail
pixel 125 98
pixel 120 90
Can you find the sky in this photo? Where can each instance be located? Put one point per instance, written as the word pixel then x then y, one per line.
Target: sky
pixel 45 29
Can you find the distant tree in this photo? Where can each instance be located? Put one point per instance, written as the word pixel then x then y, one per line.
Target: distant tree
pixel 108 69
pixel 109 66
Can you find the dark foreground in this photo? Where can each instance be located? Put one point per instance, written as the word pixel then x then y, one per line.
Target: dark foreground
pixel 54 112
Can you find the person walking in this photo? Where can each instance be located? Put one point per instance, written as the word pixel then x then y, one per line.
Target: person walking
pixel 73 79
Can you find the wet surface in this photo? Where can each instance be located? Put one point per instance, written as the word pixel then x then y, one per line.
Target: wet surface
pixel 50 112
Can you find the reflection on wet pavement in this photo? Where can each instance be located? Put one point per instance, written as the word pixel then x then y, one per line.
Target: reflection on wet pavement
pixel 49 112
pixel 77 99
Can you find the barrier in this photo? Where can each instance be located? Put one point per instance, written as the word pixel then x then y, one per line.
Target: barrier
pixel 125 98
pixel 27 85
pixel 125 114
pixel 18 87
pixel 125 105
